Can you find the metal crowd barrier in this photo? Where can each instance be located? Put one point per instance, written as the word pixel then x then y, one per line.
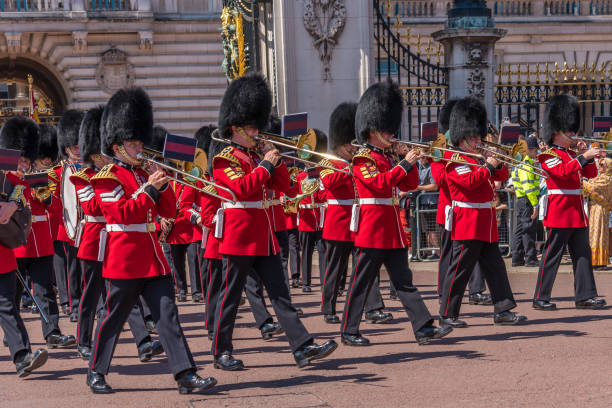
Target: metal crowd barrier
pixel 428 230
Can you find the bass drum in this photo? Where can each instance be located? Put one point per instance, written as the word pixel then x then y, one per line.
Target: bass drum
pixel 72 210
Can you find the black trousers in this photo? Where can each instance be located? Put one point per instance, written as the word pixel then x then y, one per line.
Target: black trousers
pixel 465 254
pixel 311 240
pixel 121 297
pixel 180 252
pixel 337 255
pixel 253 288
pixel 476 283
pixel 236 268
pixel 295 260
pixel 283 242
pixel 73 277
pixel 213 285
pixel 60 268
pixel 39 270
pixel 93 291
pixel 367 267
pixel 10 320
pixel 523 239
pixel 577 241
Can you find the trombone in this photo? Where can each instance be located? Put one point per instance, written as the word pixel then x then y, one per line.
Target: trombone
pixel 141 156
pixel 511 160
pixel 308 139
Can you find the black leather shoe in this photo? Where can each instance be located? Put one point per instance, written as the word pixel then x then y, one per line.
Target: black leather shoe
pixel 378 317
pixel 84 352
pixel 517 264
pixel 306 288
pixel 429 333
pixel 300 311
pixel 313 351
pixel 65 310
pixel 26 302
pixel 591 303
pixel 189 382
pixel 210 336
pixel 181 297
pixel 227 362
pixel 268 330
pixel 150 325
pixel 147 350
pixel 30 362
pixel 544 305
pixel 480 299
pixel 393 296
pixel 197 298
pixel 98 384
pixel 532 264
pixel 331 319
pixel 452 322
pixel 295 283
pixel 507 319
pixel 356 340
pixel 74 317
pixel 34 309
pixel 56 340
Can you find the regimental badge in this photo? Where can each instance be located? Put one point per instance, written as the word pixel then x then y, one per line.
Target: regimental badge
pixel 369 170
pixel 234 171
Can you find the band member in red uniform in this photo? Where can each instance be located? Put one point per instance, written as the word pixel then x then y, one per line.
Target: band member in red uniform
pixel 438 170
pixel 248 241
pixel 379 237
pixel 564 217
pixel 68 144
pixel 338 238
pixel 473 224
pixel 15 136
pixel 134 264
pixel 310 218
pixel 34 259
pixel 89 248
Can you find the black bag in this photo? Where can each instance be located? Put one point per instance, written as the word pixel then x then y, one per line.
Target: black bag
pixel 14 233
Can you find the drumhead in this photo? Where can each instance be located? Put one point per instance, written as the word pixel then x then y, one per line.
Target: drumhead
pixel 68 195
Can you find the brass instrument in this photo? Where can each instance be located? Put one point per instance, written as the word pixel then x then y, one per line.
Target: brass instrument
pixel 184 173
pixel 518 150
pixel 511 161
pixel 309 187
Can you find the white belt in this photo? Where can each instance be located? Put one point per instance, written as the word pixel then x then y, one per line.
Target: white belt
pixel 149 227
pixel 340 202
pixel 564 191
pixel 91 218
pixel 376 201
pixel 246 204
pixel 274 202
pixel 311 206
pixel 39 218
pixel 462 204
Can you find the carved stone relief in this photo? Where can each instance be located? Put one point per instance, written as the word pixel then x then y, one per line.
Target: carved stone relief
pixel 476 83
pixel 79 41
pixel 114 71
pixel 476 53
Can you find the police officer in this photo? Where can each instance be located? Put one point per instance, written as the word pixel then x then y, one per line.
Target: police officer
pixel 527 192
pixel 565 220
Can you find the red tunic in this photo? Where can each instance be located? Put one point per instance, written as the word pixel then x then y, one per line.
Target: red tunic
pixel 129 202
pixel 291 221
pixel 470 184
pixel 40 242
pixel 248 231
pixel 309 219
pixel 208 209
pixel 438 171
pixel 183 231
pixel 376 176
pixel 339 187
pixel 565 172
pixel 89 246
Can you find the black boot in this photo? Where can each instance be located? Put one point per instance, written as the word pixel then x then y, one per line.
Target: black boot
pixel 378 317
pixel 227 362
pixel 29 362
pixel 84 352
pixel 429 333
pixel 55 340
pixel 188 382
pixel 269 330
pixel 305 354
pixel 148 349
pixel 97 383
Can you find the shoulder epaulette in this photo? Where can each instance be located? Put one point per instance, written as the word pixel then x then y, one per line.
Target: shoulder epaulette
pixel 52 174
pixel 106 173
pixel 325 172
pixel 457 157
pixel 82 175
pixel 325 163
pixel 364 152
pixel 209 188
pixel 549 152
pixel 227 155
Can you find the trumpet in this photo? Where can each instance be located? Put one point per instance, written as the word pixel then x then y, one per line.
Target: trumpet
pixel 184 173
pixel 309 187
pixel 511 161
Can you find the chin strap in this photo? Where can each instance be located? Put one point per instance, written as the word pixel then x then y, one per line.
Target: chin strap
pixel 125 157
pixel 382 140
pixel 247 137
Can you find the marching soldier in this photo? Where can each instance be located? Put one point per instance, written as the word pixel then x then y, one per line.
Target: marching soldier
pixel 134 264
pixel 379 237
pixel 472 218
pixel 527 191
pixel 565 221
pixel 34 259
pixel 248 241
pixel 89 254
pixel 340 193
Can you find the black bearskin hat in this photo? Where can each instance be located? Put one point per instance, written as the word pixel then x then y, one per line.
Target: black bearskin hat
pixel 158 139
pixel 468 118
pixel 128 115
pixel 444 115
pixel 20 133
pixel 89 134
pixel 380 109
pixel 321 146
pixel 342 125
pixel 214 149
pixel 202 135
pixel 247 101
pixel 47 146
pixel 68 130
pixel 562 114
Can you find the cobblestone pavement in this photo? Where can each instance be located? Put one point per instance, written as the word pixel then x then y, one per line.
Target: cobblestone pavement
pixel 559 359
